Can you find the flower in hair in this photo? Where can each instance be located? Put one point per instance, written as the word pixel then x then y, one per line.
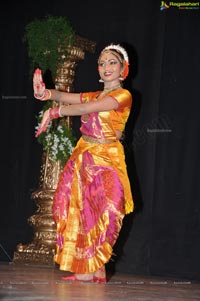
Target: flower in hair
pixel 120 49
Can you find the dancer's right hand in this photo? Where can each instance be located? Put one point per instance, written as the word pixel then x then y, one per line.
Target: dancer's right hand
pixel 38 84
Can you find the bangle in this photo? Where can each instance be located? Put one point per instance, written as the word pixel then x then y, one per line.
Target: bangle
pixel 54 113
pixel 46 95
pixel 59 111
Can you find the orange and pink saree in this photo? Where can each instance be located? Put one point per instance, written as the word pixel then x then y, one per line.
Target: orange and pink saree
pixel 93 193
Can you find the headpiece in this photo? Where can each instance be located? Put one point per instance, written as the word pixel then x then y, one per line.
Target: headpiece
pixel 121 53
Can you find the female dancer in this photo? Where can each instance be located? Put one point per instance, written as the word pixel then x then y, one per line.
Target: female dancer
pixel 93 192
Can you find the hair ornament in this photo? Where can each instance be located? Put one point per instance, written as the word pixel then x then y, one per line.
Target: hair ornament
pixel 120 49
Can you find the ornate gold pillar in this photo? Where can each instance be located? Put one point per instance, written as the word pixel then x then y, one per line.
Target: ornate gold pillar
pixel 42 248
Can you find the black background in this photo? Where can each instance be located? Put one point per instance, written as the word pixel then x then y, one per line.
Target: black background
pixel 162 136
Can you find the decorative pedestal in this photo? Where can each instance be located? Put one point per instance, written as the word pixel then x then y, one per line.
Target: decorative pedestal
pixel 41 250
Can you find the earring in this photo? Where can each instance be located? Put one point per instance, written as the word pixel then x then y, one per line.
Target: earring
pixel 101 80
pixel 121 77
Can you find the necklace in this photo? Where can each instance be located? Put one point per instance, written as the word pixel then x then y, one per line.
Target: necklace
pixel 106 90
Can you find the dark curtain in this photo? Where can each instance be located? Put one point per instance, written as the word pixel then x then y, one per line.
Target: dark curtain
pixel 161 143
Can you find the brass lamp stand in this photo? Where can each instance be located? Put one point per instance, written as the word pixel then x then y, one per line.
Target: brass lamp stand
pixel 42 249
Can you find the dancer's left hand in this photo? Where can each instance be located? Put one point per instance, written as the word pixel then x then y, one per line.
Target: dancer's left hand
pixel 44 124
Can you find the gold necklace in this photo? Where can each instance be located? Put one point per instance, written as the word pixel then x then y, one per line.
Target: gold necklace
pixel 106 90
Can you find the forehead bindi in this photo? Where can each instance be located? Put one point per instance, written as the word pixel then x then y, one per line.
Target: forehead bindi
pixel 106 57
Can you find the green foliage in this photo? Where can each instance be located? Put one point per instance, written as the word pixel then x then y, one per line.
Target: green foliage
pixel 47 40
pixel 58 139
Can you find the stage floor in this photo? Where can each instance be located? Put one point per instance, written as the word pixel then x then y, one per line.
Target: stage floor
pixel 32 283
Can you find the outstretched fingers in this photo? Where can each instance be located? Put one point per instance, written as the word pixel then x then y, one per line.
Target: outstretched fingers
pixel 42 128
pixel 38 84
pixel 44 124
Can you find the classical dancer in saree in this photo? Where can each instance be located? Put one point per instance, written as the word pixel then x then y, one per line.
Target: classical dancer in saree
pixel 93 193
